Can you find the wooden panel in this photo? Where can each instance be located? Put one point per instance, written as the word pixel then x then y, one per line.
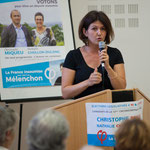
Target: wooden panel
pixel 75 113
pixel 29 110
pixel 146 110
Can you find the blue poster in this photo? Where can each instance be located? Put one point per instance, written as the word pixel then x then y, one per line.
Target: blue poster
pixel 38 74
pixel 35 36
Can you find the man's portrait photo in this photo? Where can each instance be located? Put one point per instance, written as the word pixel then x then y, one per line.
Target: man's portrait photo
pixel 15 35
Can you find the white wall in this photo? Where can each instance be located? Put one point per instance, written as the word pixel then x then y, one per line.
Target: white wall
pixel 133 42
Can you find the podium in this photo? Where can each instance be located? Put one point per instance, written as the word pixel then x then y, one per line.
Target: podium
pixel 75 112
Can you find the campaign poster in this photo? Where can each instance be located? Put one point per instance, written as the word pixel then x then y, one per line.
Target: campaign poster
pixel 103 119
pixel 33 43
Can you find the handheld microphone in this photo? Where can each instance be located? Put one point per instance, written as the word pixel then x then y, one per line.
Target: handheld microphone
pixel 102 46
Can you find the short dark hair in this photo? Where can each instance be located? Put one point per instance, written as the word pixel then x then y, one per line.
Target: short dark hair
pixel 39 14
pixel 13 11
pixel 91 17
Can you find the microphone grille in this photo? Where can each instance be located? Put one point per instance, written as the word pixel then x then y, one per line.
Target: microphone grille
pixel 101 44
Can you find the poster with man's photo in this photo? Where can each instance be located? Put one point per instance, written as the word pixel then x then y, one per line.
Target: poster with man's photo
pixel 34 40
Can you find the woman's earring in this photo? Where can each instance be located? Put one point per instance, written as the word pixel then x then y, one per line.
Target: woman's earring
pixel 87 42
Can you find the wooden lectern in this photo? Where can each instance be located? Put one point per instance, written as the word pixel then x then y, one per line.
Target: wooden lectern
pixel 76 114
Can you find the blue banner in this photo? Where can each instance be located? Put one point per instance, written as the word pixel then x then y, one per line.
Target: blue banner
pixel 104 140
pixel 26 75
pixel 6 1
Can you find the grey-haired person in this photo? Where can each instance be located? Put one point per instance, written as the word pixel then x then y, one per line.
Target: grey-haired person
pixel 8 122
pixel 48 130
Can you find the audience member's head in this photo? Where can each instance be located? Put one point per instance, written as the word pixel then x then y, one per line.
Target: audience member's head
pixel 133 134
pixel 89 147
pixel 8 120
pixel 47 130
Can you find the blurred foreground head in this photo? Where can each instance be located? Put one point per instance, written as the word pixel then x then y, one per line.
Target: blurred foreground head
pixel 133 134
pixel 8 121
pixel 47 130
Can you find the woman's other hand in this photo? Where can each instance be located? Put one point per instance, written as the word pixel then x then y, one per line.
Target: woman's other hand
pixel 95 78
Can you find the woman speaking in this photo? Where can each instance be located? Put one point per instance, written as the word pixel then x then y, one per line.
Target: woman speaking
pixel 82 70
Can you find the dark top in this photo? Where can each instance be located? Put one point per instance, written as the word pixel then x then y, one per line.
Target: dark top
pixel 75 61
pixel 9 36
